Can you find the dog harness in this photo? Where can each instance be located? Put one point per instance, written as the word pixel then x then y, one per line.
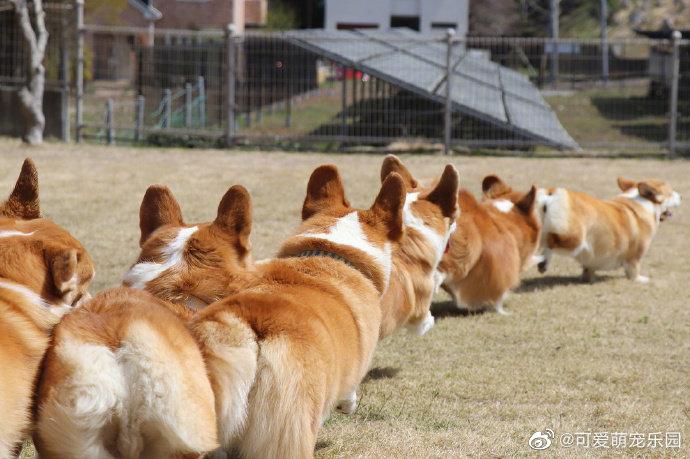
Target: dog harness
pixel 325 253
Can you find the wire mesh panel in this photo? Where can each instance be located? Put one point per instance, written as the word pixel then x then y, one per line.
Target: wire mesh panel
pixel 290 90
pixel 58 63
pixel 625 108
pixel 162 87
pixel 341 88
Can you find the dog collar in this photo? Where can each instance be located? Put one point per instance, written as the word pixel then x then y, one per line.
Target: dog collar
pixel 325 253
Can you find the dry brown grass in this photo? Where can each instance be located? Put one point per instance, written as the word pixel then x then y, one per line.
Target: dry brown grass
pixel 613 356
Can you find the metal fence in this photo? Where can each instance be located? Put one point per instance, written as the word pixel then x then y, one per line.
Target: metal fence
pixel 189 87
pixel 59 62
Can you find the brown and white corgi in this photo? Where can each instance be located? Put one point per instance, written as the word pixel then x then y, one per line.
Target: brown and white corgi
pixel 299 337
pixel 44 273
pixel 429 218
pixel 124 377
pixel 493 243
pixel 192 264
pixel 605 234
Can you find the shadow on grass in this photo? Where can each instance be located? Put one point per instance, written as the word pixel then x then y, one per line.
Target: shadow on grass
pixel 547 282
pixel 444 309
pixel 321 444
pixel 629 108
pixel 377 373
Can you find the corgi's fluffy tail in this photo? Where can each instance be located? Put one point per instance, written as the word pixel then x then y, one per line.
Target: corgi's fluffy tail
pixel 143 398
pixel 230 350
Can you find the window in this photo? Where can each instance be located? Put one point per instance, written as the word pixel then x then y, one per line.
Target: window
pixel 411 22
pixel 444 25
pixel 354 25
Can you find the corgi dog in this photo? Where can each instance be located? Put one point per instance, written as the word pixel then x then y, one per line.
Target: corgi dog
pixel 429 218
pixel 605 234
pixel 494 242
pixel 44 273
pixel 192 264
pixel 125 377
pixel 298 336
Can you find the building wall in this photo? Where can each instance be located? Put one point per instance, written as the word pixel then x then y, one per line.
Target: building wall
pixel 194 14
pixel 377 13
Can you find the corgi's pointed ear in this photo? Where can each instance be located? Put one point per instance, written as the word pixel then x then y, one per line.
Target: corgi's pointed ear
pixel 647 191
pixel 493 187
pixel 392 163
pixel 324 191
pixel 625 184
pixel 389 204
pixel 235 216
pixel 23 202
pixel 158 208
pixel 526 204
pixel 445 194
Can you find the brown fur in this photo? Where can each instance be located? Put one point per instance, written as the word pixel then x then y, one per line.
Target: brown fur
pixel 299 334
pixel 124 377
pixel 23 202
pixel 213 254
pixel 606 234
pixel 490 248
pixel 54 270
pixel 411 288
pixel 138 329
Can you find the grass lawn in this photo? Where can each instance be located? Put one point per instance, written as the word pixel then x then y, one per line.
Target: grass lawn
pixel 613 356
pixel 615 115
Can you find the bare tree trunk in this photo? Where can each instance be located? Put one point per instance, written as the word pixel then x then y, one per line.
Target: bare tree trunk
pixel 31 95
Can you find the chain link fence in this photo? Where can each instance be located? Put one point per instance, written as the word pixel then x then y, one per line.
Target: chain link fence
pixel 174 87
pixel 59 64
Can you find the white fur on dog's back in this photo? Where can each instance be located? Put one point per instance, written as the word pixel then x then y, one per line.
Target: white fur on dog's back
pixel 555 209
pixel 134 398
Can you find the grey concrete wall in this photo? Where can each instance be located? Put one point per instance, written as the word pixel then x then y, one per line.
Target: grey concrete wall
pixel 379 12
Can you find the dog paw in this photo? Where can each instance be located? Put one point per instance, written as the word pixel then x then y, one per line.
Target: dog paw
pixel 642 279
pixel 537 259
pixel 500 310
pixel 349 405
pixel 422 327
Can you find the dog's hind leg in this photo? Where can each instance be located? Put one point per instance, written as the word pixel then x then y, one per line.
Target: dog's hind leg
pixel 632 272
pixel 587 275
pixel 543 263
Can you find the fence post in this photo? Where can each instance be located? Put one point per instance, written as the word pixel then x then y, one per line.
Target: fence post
pixel 603 16
pixel 343 104
pixel 79 112
pixel 230 103
pixel 167 108
pixel 188 105
pixel 139 118
pixel 673 102
pixel 554 16
pixel 288 110
pixel 447 121
pixel 201 88
pixel 109 122
pixel 64 77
